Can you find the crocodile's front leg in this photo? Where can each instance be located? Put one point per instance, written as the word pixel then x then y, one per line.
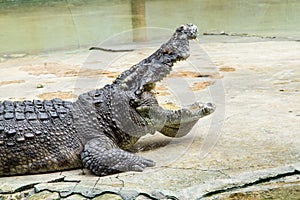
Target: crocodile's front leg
pixel 103 157
pixel 175 123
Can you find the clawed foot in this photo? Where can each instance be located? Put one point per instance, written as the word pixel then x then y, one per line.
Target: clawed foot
pixel 139 164
pixel 102 161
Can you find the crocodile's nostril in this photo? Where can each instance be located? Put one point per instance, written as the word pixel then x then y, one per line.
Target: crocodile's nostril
pixel 211 106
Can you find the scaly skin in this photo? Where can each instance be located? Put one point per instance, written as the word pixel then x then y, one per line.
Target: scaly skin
pixel 95 131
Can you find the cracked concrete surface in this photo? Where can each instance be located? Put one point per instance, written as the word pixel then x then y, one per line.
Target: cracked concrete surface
pixel 256 148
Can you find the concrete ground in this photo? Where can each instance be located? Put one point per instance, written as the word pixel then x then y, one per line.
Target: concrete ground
pixel 248 149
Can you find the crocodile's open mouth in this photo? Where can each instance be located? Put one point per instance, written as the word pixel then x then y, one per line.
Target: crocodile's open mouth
pixel 150 87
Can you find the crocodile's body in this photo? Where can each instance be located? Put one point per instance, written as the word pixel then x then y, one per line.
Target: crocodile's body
pixel 95 131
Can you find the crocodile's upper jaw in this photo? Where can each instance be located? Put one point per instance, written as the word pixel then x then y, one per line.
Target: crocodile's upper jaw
pixel 143 76
pixel 176 49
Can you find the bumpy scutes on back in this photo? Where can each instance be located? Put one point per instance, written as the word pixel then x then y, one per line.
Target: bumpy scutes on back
pixel 37 135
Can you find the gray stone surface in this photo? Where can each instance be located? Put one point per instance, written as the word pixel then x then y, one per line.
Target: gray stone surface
pixel 19 183
pixel 252 140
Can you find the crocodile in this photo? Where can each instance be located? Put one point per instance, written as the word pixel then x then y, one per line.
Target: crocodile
pixel 97 130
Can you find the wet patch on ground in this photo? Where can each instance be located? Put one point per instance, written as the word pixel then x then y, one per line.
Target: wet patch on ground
pixel 162 90
pixel 61 95
pixel 192 74
pixel 109 74
pixel 11 82
pixel 61 70
pixel 227 69
pixel 201 85
pixel 169 106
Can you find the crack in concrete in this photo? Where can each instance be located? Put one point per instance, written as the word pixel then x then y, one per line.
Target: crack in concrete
pixel 31 186
pixel 96 183
pixel 68 194
pixel 207 190
pixel 256 182
pixel 203 170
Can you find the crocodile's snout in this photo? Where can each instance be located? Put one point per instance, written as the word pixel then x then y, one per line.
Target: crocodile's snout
pixel 190 30
pixel 209 108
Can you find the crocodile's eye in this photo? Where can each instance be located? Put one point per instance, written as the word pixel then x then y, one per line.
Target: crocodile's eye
pixel 180 28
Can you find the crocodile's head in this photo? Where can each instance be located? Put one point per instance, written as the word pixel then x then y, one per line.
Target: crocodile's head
pixel 136 86
pixel 143 76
